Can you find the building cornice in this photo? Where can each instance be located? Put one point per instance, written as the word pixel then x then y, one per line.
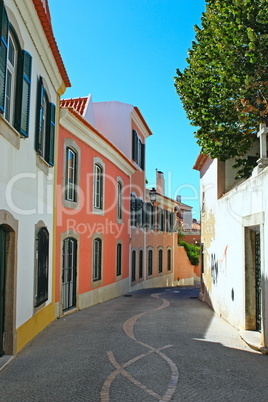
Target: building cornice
pixel 37 22
pixel 140 122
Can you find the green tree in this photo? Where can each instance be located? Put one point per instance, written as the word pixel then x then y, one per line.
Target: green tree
pixel 224 88
pixel 192 251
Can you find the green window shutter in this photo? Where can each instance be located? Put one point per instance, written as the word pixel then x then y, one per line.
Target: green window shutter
pixel 3 53
pixel 49 157
pixel 39 117
pixel 172 221
pixel 134 146
pixel 23 93
pixel 143 156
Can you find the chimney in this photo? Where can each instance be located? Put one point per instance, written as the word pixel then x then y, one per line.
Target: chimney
pixel 178 198
pixel 160 182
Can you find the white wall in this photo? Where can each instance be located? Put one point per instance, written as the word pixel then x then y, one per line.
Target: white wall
pixel 223 226
pixel 25 190
pixel 114 121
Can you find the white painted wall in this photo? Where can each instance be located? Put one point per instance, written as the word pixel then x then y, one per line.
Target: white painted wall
pixel 114 121
pixel 223 223
pixel 25 190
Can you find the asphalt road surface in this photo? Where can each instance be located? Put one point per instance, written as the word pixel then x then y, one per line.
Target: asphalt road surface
pixel 159 344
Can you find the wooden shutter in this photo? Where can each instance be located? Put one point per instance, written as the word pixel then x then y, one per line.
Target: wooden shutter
pixel 39 117
pixel 23 93
pixel 132 210
pixel 135 146
pixel 143 156
pixel 50 137
pixel 3 53
pixel 172 221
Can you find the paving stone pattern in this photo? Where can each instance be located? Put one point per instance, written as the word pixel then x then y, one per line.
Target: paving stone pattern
pixel 154 345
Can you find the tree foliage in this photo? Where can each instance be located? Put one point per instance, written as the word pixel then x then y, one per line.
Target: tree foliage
pixel 192 251
pixel 224 88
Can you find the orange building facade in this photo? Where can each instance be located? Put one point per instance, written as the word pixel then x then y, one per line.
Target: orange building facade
pixel 111 237
pixel 92 242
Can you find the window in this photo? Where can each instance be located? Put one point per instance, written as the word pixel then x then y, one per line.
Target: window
pixel 169 266
pixel 140 264
pixel 147 209
pixel 10 79
pixel 171 221
pixel 45 125
pixel 119 259
pixel 119 200
pixel 133 266
pixel 69 271
pixel 138 212
pixel 138 150
pixel 15 77
pixel 160 219
pixel 71 175
pixel 42 248
pixel 160 261
pixel 150 262
pixel 98 187
pixel 97 259
pixel 136 207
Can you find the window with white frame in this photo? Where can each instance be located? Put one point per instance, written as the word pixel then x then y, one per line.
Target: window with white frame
pixel 119 259
pixel 133 266
pixel 97 259
pixel 119 200
pixel 160 261
pixel 12 55
pixel 98 186
pixel 138 150
pixel 169 260
pixel 42 266
pixel 15 76
pixel 140 264
pixel 45 125
pixel 71 175
pixel 150 262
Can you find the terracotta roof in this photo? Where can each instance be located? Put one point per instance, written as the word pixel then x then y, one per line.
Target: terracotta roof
pixel 44 17
pixel 201 159
pixel 77 104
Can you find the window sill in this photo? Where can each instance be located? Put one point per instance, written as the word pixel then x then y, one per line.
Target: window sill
pixel 96 284
pixel 98 211
pixel 9 133
pixel 40 307
pixel 118 277
pixel 70 204
pixel 42 164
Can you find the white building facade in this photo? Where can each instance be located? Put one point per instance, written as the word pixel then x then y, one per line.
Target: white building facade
pixel 234 242
pixel 32 78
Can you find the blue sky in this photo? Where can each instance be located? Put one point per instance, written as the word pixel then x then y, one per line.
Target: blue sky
pixel 128 51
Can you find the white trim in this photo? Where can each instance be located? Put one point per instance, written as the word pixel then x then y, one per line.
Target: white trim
pixel 35 30
pixel 136 119
pixel 82 132
pixel 99 162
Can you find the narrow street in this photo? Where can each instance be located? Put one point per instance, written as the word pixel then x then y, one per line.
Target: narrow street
pixel 155 344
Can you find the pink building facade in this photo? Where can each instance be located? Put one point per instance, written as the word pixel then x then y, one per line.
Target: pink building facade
pixel 111 239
